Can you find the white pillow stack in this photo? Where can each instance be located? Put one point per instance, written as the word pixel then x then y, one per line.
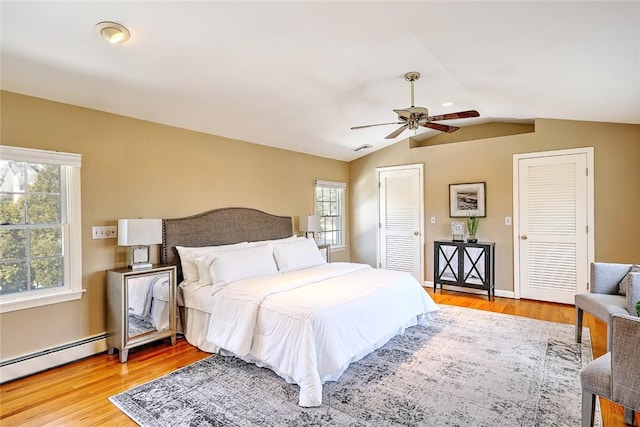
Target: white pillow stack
pixel 190 255
pixel 219 265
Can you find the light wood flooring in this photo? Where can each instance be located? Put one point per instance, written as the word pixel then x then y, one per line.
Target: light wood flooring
pixel 76 394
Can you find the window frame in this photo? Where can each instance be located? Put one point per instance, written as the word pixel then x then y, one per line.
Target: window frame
pixel 341 186
pixel 71 222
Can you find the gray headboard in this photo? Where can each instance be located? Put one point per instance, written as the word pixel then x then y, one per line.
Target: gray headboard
pixel 220 227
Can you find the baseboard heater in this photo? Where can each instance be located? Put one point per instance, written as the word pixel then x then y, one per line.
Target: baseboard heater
pixel 39 361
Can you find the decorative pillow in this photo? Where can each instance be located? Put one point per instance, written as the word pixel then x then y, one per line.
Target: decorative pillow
pixel 303 253
pixel 230 266
pixel 188 255
pixel 626 280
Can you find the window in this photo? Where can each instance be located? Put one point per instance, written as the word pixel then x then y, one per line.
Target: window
pixel 330 208
pixel 40 246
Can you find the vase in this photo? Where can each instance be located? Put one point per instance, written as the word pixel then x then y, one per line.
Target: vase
pixel 471 238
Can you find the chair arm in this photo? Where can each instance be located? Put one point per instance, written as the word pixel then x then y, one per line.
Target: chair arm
pixel 605 277
pixel 633 295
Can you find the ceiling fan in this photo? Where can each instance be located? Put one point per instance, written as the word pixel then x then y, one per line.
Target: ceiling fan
pixel 413 117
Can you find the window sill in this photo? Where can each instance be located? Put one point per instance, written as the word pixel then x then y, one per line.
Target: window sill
pixel 339 248
pixel 23 303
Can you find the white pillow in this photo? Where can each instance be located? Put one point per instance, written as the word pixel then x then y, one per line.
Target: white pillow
pixel 230 266
pixel 275 241
pixel 188 255
pixel 203 264
pixel 303 253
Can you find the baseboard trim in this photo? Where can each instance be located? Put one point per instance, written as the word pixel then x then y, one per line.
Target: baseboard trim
pixel 49 358
pixel 499 292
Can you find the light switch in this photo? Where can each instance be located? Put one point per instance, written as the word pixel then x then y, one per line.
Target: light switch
pixel 108 232
pixel 433 220
pixel 507 220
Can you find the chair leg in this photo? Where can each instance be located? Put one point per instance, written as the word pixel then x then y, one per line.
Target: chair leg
pixel 588 408
pixel 579 314
pixel 628 416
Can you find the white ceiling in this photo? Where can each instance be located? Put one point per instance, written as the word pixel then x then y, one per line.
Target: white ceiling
pixel 297 75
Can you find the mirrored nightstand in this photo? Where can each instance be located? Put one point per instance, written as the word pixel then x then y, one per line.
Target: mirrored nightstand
pixel 141 307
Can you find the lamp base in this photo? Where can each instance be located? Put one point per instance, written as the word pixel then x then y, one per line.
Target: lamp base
pixel 139 257
pixel 140 266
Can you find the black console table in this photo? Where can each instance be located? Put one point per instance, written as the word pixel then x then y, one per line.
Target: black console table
pixel 469 265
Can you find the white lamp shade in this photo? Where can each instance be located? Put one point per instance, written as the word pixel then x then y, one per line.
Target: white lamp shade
pixel 310 223
pixel 133 232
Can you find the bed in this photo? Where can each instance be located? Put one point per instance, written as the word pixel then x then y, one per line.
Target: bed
pixel 251 289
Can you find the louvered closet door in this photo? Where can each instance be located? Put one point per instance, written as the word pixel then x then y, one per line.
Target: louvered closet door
pixel 400 215
pixel 553 227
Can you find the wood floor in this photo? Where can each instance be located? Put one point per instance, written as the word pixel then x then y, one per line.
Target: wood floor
pixel 76 394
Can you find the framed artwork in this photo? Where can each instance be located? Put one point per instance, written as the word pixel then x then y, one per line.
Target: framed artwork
pixel 467 200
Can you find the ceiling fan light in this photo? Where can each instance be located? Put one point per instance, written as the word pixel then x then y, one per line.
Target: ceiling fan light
pixel 112 32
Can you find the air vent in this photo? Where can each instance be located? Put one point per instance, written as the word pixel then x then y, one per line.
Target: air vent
pixel 363 147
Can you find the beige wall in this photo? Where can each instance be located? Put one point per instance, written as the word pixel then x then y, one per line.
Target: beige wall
pixel 133 168
pixel 617 188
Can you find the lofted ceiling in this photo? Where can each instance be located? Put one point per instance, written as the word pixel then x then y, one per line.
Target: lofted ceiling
pixel 299 74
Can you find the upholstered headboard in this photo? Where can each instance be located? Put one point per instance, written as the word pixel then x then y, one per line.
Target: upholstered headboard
pixel 220 227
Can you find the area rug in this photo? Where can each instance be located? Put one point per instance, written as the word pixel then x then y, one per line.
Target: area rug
pixel 467 368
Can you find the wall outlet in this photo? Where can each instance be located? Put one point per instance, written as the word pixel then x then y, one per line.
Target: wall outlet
pixel 107 232
pixel 433 220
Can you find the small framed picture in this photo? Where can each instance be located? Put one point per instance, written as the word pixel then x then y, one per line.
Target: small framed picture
pixel 467 200
pixel 457 231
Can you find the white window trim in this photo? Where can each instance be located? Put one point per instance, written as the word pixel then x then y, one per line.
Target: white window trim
pixel 342 186
pixel 73 249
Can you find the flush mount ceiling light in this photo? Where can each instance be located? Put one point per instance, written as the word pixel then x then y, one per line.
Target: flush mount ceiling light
pixel 112 32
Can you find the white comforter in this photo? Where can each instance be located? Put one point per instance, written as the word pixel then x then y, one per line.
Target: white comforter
pixel 309 325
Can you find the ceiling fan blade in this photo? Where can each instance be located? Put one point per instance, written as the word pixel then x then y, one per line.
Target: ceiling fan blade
pixel 451 116
pixel 379 124
pixel 396 132
pixel 441 128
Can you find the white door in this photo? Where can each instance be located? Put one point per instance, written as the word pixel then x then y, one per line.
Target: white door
pixel 400 219
pixel 554 212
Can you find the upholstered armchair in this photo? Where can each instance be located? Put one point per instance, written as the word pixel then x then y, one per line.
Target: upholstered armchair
pixel 615 375
pixel 604 299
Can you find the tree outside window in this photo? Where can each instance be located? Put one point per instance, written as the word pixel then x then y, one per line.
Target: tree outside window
pixel 31 229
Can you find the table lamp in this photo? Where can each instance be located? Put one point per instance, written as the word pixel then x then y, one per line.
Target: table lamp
pixel 310 224
pixel 138 234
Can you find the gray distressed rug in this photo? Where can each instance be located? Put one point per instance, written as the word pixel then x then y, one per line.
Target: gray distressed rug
pixel 467 368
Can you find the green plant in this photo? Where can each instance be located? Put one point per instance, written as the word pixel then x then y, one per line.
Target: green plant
pixel 473 222
pixel 638 307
